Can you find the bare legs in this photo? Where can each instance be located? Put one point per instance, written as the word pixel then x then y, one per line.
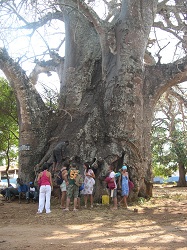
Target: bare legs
pixel 75 204
pixel 68 202
pixel 124 200
pixel 63 199
pixel 115 202
pixel 86 199
pixel 78 203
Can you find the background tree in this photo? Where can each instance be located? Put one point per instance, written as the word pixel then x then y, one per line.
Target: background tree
pixel 107 92
pixel 169 134
pixel 8 125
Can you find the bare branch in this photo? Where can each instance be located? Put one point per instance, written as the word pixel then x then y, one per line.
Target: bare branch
pixel 161 26
pixel 44 20
pixel 179 97
pixel 173 19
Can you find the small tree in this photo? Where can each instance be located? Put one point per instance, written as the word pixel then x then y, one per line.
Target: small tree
pixel 8 125
pixel 179 150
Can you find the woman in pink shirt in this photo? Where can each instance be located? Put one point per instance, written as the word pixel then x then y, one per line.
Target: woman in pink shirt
pixel 46 185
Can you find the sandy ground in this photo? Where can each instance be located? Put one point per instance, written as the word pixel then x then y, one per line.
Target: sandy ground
pixel 160 223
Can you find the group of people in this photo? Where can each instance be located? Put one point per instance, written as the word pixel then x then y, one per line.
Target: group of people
pixel 118 181
pixel 69 187
pixel 74 191
pixel 71 190
pixel 21 190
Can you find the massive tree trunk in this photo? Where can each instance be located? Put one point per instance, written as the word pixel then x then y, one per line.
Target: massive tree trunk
pixel 34 118
pixel 107 94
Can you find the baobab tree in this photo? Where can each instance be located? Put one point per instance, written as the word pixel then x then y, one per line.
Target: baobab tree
pixel 109 82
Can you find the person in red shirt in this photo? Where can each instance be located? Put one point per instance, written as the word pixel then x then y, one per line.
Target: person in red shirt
pixel 46 186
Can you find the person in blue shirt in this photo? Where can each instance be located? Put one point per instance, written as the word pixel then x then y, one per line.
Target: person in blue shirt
pixel 22 189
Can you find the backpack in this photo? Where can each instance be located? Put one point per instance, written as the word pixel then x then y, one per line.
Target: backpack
pixel 110 184
pixel 59 178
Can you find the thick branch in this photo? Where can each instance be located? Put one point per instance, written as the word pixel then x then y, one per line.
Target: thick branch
pixel 27 96
pixel 161 77
pixel 54 65
pixel 91 15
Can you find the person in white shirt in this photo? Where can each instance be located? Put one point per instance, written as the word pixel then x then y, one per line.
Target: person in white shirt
pixel 31 193
pixel 113 192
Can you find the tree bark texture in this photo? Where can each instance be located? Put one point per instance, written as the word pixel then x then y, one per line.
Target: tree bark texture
pixel 107 95
pixel 182 175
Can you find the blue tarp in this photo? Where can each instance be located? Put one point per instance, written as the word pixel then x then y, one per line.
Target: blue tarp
pixel 161 180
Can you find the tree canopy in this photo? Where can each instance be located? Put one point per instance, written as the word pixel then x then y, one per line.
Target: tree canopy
pixel 8 124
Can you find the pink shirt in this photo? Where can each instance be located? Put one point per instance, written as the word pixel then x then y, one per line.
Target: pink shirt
pixel 45 179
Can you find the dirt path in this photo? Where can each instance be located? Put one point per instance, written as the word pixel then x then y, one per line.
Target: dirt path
pixel 160 223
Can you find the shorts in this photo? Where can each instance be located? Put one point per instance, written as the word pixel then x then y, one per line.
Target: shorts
pixel 113 193
pixel 63 187
pixel 72 191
